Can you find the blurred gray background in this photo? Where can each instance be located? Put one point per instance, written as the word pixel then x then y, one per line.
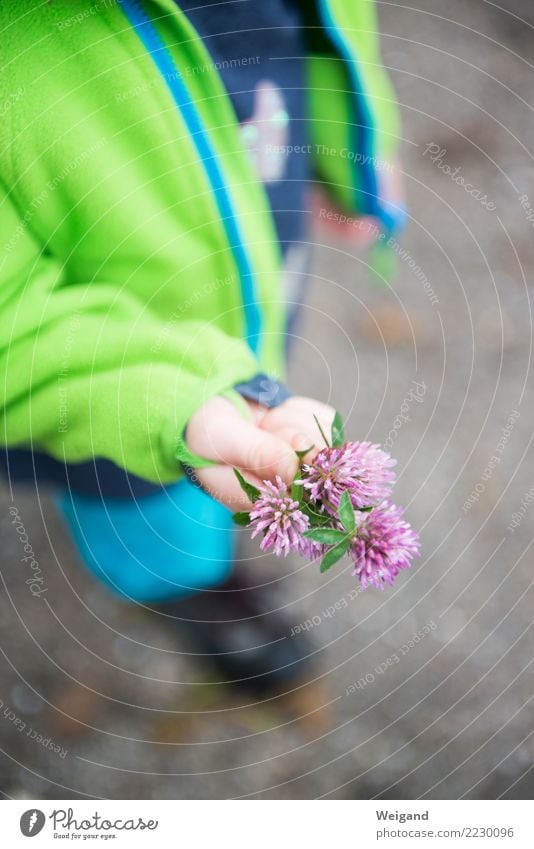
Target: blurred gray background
pixel 446 714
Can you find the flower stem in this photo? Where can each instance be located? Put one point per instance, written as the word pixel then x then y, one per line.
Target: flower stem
pixel 321 431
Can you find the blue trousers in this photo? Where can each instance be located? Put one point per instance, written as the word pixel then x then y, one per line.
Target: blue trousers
pixel 159 546
pixel 145 542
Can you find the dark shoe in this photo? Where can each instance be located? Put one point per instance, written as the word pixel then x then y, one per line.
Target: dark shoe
pixel 238 629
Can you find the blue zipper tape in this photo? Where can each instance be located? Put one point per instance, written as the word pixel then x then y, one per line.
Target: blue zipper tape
pixel 172 77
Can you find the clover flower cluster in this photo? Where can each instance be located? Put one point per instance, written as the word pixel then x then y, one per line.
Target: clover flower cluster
pixel 337 505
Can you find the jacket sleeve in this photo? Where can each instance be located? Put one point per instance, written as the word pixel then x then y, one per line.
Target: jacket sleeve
pixel 351 96
pixel 88 371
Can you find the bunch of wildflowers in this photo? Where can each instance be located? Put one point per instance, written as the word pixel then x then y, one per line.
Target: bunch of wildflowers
pixel 337 505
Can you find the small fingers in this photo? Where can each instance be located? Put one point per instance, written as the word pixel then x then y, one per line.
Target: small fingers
pixel 222 484
pixel 296 421
pixel 219 432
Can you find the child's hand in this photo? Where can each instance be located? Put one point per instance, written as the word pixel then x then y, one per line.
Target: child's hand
pixel 262 448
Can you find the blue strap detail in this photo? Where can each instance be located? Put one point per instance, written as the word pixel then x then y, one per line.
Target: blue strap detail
pixel 173 79
pixel 264 390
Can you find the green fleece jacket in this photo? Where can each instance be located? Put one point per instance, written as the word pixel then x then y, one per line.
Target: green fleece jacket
pixel 139 268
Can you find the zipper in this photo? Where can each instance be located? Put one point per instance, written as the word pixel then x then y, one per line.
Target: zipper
pixel 167 67
pixel 364 130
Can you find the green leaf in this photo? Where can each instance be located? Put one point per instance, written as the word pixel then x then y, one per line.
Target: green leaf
pixel 338 431
pixel 252 491
pixel 242 518
pixel 327 536
pixel 314 517
pixel 335 554
pixel 345 511
pixel 321 431
pixel 297 491
pixel 302 453
pixel 366 509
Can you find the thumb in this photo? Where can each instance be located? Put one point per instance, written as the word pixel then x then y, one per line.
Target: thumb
pixel 223 435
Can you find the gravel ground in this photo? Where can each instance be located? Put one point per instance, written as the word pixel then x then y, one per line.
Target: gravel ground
pixel 444 714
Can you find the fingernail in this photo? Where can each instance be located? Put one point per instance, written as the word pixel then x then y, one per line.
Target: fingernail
pixel 301 442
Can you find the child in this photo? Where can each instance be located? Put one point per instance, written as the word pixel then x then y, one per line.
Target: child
pixel 155 163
